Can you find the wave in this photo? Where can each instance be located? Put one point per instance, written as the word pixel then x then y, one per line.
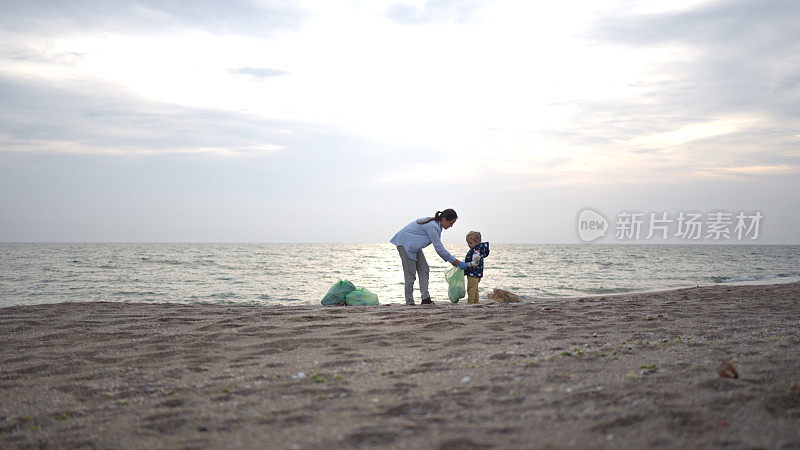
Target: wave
pixel 612 263
pixel 134 293
pixel 224 295
pixel 278 299
pixel 173 262
pixel 745 278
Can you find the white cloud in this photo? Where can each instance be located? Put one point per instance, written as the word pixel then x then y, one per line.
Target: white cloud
pixel 503 88
pixel 8 144
pixel 781 169
pixel 546 104
pixel 695 131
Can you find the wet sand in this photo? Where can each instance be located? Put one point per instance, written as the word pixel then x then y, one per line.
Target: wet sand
pixel 628 371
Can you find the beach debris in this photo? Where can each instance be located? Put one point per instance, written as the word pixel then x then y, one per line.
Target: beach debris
pixel 726 369
pixel 546 308
pixel 318 378
pixel 149 390
pixel 299 376
pixel 503 296
pixel 722 423
pixel 465 379
pixel 648 369
pixel 794 387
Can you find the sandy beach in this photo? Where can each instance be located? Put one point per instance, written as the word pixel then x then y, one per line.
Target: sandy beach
pixel 627 371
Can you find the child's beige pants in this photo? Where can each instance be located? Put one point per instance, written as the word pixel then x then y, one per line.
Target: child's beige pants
pixel 472 289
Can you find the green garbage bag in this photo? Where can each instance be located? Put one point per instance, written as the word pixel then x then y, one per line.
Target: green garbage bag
pixel 337 293
pixel 455 284
pixel 361 296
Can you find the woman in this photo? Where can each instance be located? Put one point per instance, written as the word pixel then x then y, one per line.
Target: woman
pixel 412 239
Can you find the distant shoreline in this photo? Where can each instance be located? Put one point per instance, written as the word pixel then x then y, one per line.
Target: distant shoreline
pixel 581 244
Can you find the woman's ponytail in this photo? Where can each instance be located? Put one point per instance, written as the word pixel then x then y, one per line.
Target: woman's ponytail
pixel 448 214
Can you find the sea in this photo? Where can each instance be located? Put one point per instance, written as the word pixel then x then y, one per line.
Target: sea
pixel 301 274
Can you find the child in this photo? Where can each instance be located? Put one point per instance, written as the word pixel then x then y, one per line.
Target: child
pixel 477 251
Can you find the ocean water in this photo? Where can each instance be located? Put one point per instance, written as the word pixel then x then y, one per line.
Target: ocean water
pixel 302 273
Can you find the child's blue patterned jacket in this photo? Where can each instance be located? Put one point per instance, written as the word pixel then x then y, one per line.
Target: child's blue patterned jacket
pixel 483 251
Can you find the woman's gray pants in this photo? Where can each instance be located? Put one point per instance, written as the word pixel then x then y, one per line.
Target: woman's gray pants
pixel 410 269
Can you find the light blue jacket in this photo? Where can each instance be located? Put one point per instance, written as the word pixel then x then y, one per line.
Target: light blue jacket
pixel 414 237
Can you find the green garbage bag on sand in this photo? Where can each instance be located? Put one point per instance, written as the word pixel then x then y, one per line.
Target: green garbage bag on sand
pixel 455 284
pixel 337 293
pixel 361 296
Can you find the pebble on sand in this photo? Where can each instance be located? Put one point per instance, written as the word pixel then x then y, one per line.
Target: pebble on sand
pixel 726 369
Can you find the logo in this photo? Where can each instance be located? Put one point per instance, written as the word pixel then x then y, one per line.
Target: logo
pixel 631 225
pixel 592 225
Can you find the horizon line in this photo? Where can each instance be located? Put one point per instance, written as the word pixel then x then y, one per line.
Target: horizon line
pixel 587 244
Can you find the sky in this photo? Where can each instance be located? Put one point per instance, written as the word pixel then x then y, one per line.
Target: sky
pixel 334 121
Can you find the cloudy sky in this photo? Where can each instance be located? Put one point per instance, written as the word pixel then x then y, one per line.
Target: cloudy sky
pixel 328 121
